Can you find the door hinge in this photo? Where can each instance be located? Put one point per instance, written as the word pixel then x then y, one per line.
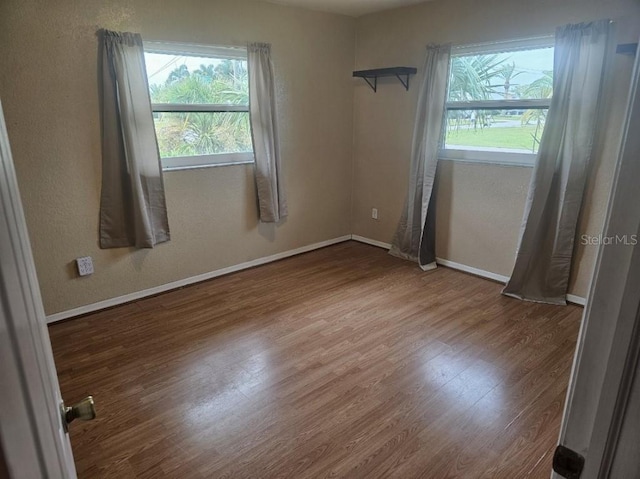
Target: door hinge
pixel 567 463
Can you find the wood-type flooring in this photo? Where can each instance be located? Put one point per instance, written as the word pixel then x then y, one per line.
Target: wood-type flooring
pixel 339 363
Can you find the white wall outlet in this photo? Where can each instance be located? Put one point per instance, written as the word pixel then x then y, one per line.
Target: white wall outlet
pixel 85 265
pixel 374 213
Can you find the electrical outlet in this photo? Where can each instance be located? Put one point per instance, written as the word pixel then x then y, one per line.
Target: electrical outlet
pixel 85 265
pixel 374 213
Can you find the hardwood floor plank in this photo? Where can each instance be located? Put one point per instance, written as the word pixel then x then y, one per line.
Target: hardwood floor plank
pixel 342 362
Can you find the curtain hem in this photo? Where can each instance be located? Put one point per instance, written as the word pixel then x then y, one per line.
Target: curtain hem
pixel 110 243
pixel 424 267
pixel 393 251
pixel 429 267
pixel 555 301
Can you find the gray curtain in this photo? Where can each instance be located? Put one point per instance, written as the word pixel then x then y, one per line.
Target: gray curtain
pixel 414 239
pixel 133 210
pixel 272 199
pixel 543 261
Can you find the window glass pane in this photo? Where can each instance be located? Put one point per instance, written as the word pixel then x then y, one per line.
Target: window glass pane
pixel 187 134
pixel 513 131
pixel 197 79
pixel 502 76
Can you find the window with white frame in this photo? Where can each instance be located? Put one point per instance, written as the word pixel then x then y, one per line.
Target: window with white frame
pixel 200 102
pixel 497 103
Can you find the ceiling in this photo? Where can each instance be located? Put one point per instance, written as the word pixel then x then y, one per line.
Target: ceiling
pixel 353 8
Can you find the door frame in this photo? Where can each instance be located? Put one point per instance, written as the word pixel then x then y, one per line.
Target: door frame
pixel 31 431
pixel 609 340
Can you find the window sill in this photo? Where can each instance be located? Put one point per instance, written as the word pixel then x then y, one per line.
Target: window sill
pixel 206 161
pixel 489 157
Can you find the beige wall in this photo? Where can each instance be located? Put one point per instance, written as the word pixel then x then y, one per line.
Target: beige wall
pixel 48 85
pixel 479 206
pixel 332 126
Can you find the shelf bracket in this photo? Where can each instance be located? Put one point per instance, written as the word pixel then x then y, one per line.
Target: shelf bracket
pixel 404 84
pixel 374 85
pixel 371 76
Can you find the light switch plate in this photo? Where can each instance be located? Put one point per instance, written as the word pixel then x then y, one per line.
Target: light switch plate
pixel 85 265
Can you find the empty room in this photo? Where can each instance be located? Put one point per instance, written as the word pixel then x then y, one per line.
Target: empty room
pixel 319 239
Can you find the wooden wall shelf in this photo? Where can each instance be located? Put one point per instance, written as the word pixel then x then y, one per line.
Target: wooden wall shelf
pixel 371 76
pixel 627 48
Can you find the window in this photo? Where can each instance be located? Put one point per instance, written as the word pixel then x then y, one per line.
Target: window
pixel 200 102
pixel 498 100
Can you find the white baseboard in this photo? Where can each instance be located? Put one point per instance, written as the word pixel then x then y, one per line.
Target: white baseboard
pixel 572 298
pixel 127 298
pixel 579 300
pixel 372 242
pixel 471 270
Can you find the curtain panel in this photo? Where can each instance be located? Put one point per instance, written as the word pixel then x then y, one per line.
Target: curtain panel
pixel 272 200
pixel 133 209
pixel 414 239
pixel 545 251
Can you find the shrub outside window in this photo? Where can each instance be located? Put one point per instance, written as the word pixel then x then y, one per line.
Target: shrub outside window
pixel 200 102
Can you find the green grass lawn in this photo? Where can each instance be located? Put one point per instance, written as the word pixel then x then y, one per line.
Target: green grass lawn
pixel 494 136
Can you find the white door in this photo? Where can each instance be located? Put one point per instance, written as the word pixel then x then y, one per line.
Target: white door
pixel 32 434
pixel 599 419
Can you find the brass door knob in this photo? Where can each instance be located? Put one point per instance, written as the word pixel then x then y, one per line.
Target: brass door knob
pixel 84 410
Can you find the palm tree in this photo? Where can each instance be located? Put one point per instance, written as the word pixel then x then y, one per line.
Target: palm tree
pixel 540 88
pixel 471 79
pixel 506 72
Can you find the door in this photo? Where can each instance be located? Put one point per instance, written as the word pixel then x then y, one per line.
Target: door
pixel 599 418
pixel 32 434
